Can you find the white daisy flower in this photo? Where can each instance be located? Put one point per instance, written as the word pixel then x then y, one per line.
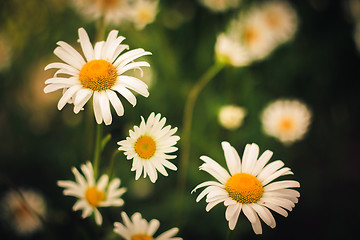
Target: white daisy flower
pixel 149 145
pixel 248 186
pixel 281 19
pixel 254 34
pixel 92 194
pixel 100 74
pixel 229 51
pixel 143 12
pixel 139 229
pixel 114 11
pixel 231 116
pixel 286 120
pixel 24 210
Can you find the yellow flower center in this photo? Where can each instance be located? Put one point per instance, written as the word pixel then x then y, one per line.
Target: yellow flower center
pixel 250 36
pixel 144 16
pixel 145 147
pixel 94 196
pixel 141 237
pixel 98 75
pixel 286 125
pixel 244 188
pixel 273 20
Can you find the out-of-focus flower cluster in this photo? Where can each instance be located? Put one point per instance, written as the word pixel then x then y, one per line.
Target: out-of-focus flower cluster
pixel 255 33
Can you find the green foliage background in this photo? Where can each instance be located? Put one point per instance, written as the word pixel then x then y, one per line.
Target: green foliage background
pixel 320 67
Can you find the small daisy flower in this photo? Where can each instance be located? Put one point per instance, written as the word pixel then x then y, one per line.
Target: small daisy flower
pixel 139 229
pixel 143 12
pixel 113 11
pixel 229 51
pixel 92 194
pixel 220 5
pixel 248 186
pixel 100 75
pixel 281 19
pixel 286 120
pixel 231 116
pixel 149 145
pixel 23 210
pixel 254 34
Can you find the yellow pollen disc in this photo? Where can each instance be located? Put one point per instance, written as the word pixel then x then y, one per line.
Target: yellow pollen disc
pixel 141 237
pixel 144 16
pixel 98 75
pixel 286 124
pixel 250 36
pixel 145 147
pixel 244 188
pixel 273 20
pixel 94 196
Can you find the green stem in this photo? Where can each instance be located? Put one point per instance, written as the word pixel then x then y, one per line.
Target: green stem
pixel 229 234
pixel 97 151
pixel 100 29
pixel 187 122
pixel 111 164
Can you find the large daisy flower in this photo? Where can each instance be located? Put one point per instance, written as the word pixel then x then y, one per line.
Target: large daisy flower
pixel 92 194
pixel 249 186
pixel 139 229
pixel 100 74
pixel 149 145
pixel 286 120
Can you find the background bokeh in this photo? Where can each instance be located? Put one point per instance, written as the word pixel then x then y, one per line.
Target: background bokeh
pixel 320 66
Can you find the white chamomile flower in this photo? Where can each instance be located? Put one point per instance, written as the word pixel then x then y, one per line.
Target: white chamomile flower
pixel 228 50
pixel 231 116
pixel 92 194
pixel 24 210
pixel 113 11
pixel 137 228
pixel 100 74
pixel 286 120
pixel 281 19
pixel 249 186
pixel 149 145
pixel 143 12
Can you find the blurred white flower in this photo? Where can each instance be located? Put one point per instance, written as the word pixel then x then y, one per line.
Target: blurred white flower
pixel 229 51
pixel 143 12
pixel 220 5
pixel 281 19
pixel 137 228
pixel 255 33
pixel 113 11
pixel 286 120
pixel 99 76
pixel 24 210
pixel 248 186
pixel 231 116
pixel 149 145
pixel 92 194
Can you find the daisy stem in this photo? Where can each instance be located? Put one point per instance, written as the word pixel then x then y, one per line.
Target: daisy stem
pixel 97 151
pixel 111 164
pixel 187 121
pixel 100 28
pixel 229 234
